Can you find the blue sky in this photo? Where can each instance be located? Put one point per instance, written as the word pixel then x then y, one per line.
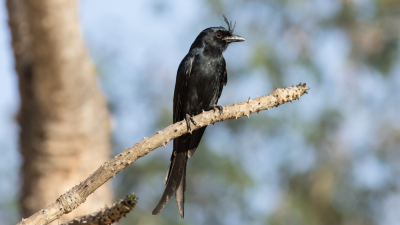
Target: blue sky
pixel 138 44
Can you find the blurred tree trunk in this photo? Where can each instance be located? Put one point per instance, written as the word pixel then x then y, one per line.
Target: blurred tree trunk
pixel 63 117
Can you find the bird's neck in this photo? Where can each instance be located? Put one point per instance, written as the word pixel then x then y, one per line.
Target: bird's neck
pixel 210 50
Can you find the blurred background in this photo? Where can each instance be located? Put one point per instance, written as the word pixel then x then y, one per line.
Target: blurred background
pixel 331 158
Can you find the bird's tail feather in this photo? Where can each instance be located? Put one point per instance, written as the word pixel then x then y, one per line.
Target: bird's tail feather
pixel 175 183
pixel 180 193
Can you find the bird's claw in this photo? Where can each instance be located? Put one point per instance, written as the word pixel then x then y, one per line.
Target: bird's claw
pixel 188 119
pixel 220 108
pixel 194 122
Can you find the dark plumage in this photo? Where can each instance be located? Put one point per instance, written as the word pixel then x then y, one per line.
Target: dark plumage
pixel 199 82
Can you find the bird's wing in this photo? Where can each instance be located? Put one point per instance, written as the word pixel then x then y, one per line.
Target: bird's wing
pixel 175 179
pixel 224 80
pixel 198 134
pixel 195 140
pixel 183 75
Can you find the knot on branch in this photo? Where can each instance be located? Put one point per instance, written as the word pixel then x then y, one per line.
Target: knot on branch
pixel 70 201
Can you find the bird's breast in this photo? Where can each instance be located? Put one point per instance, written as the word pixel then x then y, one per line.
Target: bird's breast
pixel 205 83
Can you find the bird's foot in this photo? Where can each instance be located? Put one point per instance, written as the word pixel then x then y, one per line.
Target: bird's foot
pixel 220 108
pixel 188 119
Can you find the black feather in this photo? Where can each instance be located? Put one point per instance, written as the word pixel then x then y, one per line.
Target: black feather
pixel 230 28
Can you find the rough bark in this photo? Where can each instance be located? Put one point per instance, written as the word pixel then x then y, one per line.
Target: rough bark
pixel 78 194
pixel 63 117
pixel 107 215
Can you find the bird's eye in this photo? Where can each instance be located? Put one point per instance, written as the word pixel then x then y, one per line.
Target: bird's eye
pixel 219 35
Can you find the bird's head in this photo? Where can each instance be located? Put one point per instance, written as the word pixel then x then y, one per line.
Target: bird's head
pixel 217 37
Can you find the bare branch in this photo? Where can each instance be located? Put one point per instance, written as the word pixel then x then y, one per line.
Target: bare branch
pixel 107 215
pixel 78 194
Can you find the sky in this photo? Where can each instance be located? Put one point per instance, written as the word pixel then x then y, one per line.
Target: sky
pixel 9 102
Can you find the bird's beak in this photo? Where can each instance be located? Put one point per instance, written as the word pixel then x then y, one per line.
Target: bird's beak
pixel 233 38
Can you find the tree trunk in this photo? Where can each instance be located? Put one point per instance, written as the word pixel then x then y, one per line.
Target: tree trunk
pixel 65 131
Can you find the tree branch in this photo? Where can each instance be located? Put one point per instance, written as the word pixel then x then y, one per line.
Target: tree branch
pixel 78 194
pixel 107 215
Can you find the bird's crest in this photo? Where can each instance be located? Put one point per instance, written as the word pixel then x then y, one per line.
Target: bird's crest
pixel 230 27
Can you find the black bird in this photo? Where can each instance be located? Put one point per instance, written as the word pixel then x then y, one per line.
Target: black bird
pixel 199 82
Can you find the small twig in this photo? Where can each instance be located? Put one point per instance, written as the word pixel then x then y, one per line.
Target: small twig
pixel 78 194
pixel 107 215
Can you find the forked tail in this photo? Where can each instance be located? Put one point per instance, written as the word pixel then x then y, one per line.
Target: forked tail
pixel 175 183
